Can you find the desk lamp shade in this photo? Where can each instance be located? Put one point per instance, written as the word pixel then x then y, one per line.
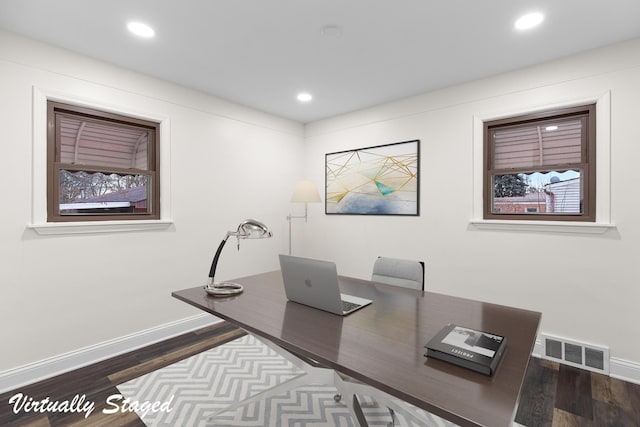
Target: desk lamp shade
pixel 248 229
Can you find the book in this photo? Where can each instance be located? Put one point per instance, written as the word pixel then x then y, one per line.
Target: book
pixel 477 350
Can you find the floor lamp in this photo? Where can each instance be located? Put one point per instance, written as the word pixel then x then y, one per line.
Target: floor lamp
pixel 305 192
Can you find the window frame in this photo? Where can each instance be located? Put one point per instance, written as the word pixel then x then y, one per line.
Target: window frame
pixel 53 108
pixel 587 164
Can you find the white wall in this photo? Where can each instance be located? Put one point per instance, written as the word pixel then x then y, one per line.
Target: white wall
pixel 228 163
pixel 586 285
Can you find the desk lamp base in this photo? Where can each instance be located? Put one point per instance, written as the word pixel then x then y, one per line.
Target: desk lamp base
pixel 223 289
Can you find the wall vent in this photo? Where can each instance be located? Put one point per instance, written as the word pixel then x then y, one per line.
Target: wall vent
pixel 581 355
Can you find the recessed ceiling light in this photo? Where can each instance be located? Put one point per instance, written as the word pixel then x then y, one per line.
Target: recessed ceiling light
pixel 304 97
pixel 140 29
pixel 529 20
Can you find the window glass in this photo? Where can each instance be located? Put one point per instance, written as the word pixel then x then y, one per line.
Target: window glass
pixel 83 192
pixel 554 193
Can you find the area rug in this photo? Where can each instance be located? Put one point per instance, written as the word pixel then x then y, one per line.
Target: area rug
pixel 188 392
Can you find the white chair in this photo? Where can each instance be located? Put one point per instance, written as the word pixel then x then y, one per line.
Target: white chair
pixel 399 272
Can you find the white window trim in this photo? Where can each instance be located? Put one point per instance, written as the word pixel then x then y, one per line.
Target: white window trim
pixel 39 170
pixel 603 172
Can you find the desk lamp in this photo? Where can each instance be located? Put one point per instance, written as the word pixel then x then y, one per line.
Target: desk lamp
pixel 248 229
pixel 304 192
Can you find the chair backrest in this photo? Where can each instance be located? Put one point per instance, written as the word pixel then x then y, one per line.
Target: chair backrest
pixel 399 272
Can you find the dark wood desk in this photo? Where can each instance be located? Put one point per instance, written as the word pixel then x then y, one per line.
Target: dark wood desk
pixel 382 344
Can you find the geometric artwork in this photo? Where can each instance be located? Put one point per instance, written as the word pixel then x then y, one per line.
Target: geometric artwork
pixel 381 180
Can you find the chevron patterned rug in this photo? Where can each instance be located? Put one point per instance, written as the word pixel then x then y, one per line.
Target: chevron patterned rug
pixel 188 392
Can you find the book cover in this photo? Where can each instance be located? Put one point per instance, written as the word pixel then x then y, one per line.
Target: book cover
pixel 477 350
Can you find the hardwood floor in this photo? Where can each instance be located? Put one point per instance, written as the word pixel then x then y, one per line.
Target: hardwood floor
pixel 558 395
pixel 553 395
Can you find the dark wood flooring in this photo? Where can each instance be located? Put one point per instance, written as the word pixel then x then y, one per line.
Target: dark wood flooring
pixel 562 396
pixel 553 395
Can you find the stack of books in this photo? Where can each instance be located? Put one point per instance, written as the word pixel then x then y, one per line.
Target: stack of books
pixel 466 347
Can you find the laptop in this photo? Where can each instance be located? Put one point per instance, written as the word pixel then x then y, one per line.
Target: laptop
pixel 315 283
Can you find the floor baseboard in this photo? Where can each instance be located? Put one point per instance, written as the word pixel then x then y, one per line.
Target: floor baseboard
pixel 624 370
pixel 17 377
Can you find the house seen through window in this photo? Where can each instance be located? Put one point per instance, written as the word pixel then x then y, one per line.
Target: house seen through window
pixel 101 166
pixel 541 166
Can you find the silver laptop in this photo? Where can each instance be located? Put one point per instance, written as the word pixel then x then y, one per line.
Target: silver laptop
pixel 315 283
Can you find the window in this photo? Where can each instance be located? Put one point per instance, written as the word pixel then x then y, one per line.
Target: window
pixel 100 165
pixel 541 166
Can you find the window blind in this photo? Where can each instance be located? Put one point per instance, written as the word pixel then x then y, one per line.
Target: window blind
pixel 88 142
pixel 538 145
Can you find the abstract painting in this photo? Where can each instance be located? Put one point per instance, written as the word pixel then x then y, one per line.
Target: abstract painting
pixel 380 180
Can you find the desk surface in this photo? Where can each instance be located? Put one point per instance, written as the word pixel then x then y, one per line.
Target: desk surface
pixel 383 344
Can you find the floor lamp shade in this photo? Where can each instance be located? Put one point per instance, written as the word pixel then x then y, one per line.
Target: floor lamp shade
pixel 304 192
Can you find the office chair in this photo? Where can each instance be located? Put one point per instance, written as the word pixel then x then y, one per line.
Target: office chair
pixel 399 272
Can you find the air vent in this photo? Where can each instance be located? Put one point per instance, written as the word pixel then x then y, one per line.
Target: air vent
pixel 581 355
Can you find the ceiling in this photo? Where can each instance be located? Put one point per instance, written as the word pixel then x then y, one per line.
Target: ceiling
pixel 262 53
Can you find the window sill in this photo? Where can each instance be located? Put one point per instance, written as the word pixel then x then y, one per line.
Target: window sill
pixel 542 226
pixel 60 228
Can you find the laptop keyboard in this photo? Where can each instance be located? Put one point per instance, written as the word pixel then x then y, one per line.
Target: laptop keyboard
pixel 348 306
